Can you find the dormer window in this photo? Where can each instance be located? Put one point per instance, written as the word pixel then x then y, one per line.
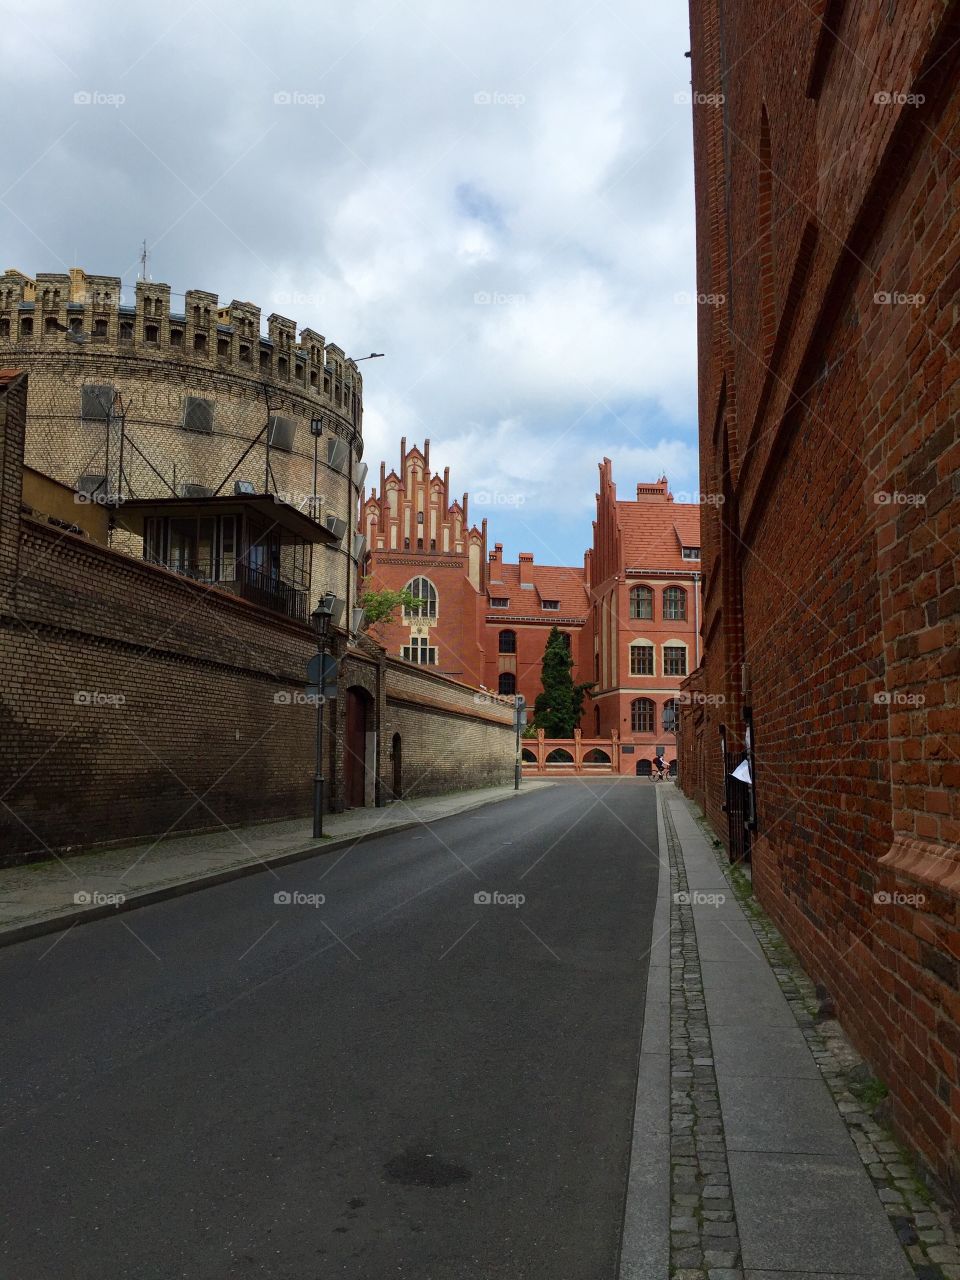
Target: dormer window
pixel 552 605
pixel 499 602
pixel 691 553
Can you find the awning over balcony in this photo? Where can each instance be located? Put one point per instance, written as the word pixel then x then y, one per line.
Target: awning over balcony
pixel 293 526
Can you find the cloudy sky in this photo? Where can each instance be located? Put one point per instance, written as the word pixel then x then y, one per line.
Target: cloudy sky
pixel 497 196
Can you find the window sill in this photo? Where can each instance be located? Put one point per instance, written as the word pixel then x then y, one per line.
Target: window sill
pixel 926 862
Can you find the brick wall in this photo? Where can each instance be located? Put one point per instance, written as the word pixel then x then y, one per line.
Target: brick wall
pixel 451 736
pixel 135 701
pixel 828 244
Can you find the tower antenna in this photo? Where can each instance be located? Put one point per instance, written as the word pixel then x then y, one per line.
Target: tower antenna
pixel 143 261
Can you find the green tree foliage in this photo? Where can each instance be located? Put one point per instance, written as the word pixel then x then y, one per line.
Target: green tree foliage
pixel 559 705
pixel 380 606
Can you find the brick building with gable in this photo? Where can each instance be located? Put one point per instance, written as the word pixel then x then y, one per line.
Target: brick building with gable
pixel 630 613
pixel 643 574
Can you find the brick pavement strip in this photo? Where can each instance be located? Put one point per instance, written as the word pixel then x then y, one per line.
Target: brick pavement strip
pixel 698 1155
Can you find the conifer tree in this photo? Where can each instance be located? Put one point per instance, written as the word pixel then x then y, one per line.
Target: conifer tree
pixel 558 706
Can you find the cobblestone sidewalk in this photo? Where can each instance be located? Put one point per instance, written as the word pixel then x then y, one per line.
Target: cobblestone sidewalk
pixel 779 1168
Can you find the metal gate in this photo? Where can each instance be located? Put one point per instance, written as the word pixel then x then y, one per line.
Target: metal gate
pixel 739 809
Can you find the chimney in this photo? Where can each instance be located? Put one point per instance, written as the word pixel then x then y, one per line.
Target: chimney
pixel 659 492
pixel 496 560
pixel 526 568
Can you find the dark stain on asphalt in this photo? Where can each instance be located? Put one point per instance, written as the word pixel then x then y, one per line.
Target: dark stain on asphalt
pixel 419 1168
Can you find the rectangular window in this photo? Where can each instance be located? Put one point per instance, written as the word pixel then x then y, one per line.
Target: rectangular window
pixel 691 553
pixel 553 605
pixel 499 602
pixel 337 453
pixel 674 660
pixel 421 651
pixel 281 432
pixel 641 659
pixel 96 402
pixel 198 415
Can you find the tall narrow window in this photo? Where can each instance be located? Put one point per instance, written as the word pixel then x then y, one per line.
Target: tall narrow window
pixel 642 715
pixel 508 642
pixel 507 683
pixel 641 602
pixel 675 604
pixel 641 659
pixel 674 660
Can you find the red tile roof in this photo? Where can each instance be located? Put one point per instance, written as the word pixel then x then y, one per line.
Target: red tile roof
pixel 550 582
pixel 653 533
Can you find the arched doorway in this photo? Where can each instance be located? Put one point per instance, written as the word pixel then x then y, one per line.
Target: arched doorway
pixel 644 768
pixel 396 751
pixel 356 745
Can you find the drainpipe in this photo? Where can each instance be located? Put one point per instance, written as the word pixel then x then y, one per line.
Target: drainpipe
pixel 696 618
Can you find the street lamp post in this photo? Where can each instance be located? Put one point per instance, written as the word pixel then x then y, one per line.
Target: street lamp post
pixel 518 710
pixel 320 619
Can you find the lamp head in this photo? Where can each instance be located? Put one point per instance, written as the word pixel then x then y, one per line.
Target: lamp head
pixel 322 615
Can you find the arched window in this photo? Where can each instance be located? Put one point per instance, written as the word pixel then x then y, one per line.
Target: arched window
pixel 641 602
pixel 508 642
pixel 670 716
pixel 425 596
pixel 641 658
pixel 675 604
pixel 507 683
pixel 642 715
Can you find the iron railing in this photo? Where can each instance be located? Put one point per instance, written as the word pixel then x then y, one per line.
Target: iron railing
pixel 250 584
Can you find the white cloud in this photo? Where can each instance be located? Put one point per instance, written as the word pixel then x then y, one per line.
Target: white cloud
pixel 386 197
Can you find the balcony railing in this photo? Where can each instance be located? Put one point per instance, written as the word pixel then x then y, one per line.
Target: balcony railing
pixel 271 593
pixel 239 579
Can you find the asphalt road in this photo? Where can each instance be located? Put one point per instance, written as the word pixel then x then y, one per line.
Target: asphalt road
pixel 398 1082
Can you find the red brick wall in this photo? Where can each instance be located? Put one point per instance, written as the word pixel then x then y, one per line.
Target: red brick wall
pixel 829 435
pixel 456 631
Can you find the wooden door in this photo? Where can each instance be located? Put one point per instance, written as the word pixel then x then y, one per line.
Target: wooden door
pixel 356 749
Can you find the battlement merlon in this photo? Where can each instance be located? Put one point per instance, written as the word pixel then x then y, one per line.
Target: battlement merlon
pixel 205 333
